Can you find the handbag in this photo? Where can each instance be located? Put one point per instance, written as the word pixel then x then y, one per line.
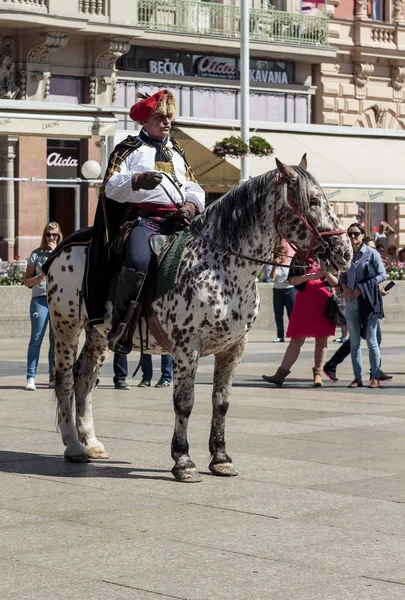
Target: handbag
pixel 334 310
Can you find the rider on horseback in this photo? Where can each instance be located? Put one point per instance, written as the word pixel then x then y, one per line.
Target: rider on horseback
pixel 152 175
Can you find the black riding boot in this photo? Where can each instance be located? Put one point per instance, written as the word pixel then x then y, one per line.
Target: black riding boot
pixel 126 310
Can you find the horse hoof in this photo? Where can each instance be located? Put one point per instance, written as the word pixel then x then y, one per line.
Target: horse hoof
pixel 77 458
pixel 96 453
pixel 223 469
pixel 187 475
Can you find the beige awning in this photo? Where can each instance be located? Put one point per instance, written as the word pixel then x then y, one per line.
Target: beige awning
pixel 52 119
pixel 362 168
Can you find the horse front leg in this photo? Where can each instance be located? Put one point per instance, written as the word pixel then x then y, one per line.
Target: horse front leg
pixel 225 365
pixel 184 371
pixel 92 356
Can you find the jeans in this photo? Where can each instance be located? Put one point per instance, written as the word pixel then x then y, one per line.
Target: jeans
pixel 344 351
pixel 282 298
pixel 120 365
pixel 166 367
pixel 352 318
pixel 39 314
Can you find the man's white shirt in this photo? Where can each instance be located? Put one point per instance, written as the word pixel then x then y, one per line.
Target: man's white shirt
pixel 119 186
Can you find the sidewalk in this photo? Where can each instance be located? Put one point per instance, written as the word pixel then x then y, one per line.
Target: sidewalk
pixel 317 512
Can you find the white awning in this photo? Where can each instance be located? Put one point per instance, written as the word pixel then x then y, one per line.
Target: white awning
pixel 55 120
pixel 363 168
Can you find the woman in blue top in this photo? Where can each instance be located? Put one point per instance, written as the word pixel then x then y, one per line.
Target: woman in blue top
pixel 363 303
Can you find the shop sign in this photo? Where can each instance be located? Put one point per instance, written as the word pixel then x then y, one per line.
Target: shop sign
pixel 262 76
pixel 215 67
pixel 166 67
pixel 62 159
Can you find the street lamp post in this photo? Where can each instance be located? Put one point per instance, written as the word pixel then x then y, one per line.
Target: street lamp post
pixel 244 86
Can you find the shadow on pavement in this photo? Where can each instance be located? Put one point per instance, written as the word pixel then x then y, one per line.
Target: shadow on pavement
pixel 23 463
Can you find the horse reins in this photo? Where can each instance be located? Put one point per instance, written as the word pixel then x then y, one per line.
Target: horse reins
pixel 316 235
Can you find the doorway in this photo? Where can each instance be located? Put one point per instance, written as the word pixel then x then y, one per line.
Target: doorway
pixel 64 207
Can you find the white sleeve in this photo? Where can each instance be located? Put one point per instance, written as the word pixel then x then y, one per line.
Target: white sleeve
pixel 195 194
pixel 119 186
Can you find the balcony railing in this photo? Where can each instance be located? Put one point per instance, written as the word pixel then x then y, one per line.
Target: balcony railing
pixel 92 7
pixel 26 4
pixel 206 18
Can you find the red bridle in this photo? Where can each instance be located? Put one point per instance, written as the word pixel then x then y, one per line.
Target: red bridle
pixel 316 235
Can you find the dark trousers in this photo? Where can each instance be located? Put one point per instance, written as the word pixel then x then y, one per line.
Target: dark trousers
pixel 344 351
pixel 137 248
pixel 282 298
pixel 165 366
pixel 120 367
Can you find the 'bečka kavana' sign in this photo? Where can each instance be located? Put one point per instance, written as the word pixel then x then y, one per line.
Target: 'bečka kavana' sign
pixel 220 67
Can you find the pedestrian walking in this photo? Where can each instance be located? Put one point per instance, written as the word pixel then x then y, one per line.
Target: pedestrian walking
pixel 166 374
pixel 381 236
pixel 283 292
pixel 363 304
pixel 307 320
pixel 35 279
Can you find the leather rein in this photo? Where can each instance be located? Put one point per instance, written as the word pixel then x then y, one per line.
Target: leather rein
pixel 316 235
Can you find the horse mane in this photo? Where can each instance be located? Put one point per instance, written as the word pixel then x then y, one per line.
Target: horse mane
pixel 239 212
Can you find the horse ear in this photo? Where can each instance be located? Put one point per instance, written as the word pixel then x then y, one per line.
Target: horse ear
pixel 303 162
pixel 289 172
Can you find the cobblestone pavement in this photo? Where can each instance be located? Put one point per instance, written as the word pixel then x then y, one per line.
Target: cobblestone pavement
pixel 317 512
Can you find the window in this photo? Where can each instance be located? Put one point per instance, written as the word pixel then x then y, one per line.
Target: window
pixel 65 89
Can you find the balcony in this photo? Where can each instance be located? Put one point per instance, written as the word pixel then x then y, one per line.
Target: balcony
pixel 219 20
pixel 190 17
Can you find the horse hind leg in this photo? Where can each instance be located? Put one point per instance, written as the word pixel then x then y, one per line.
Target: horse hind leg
pixel 92 356
pixel 65 356
pixel 184 371
pixel 225 365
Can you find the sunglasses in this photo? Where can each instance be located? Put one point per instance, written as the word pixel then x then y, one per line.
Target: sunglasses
pixel 354 233
pixel 52 235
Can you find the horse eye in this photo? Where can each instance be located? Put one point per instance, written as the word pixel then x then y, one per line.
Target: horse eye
pixel 314 202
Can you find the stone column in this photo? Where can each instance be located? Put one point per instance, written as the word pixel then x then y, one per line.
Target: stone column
pixel 361 9
pixel 398 11
pixel 7 199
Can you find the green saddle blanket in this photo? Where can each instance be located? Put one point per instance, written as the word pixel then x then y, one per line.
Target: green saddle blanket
pixel 167 268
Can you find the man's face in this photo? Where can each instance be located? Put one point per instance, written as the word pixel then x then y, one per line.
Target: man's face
pixel 158 126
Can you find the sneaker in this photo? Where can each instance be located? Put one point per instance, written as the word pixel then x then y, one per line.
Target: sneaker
pixel 163 383
pixel 385 376
pixel 30 384
pixel 121 384
pixel 330 373
pixel 341 340
pixel 266 280
pixel 277 340
pixel 144 382
pixel 51 385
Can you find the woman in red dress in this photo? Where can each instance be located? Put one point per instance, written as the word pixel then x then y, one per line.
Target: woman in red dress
pixel 307 320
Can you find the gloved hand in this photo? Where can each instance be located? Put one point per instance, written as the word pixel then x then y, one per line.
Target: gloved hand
pixel 188 211
pixel 146 181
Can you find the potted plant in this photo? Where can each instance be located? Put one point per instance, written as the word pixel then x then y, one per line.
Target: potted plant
pixel 231 146
pixel 234 146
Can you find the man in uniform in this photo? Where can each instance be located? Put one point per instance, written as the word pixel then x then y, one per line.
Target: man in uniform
pixel 150 173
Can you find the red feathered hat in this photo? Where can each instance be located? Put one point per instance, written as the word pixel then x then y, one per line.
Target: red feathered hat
pixel 162 102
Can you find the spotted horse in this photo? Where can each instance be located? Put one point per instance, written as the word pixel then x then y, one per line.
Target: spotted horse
pixel 210 310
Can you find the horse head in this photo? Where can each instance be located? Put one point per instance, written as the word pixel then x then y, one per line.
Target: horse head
pixel 304 217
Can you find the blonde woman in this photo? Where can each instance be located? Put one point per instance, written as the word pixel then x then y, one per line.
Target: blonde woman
pixel 35 279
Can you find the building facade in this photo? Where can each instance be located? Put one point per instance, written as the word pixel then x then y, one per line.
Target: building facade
pixel 69 71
